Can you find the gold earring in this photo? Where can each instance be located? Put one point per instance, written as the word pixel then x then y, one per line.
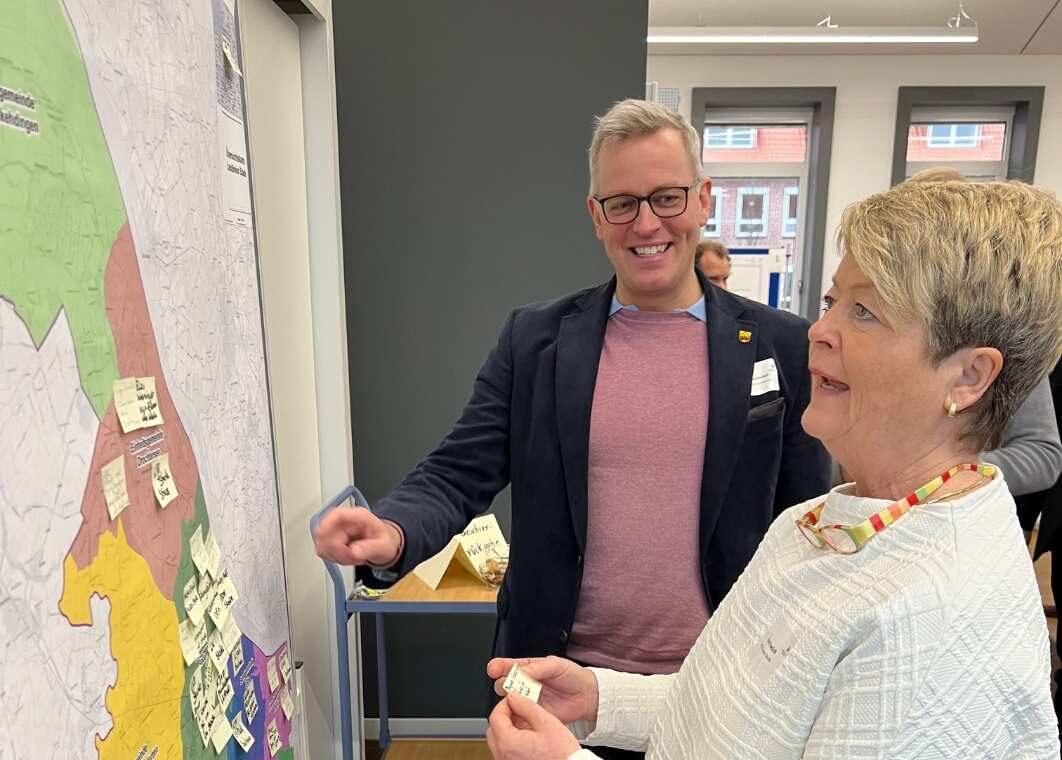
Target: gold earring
pixel 951 407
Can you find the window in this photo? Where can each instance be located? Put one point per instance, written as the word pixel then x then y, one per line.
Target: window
pixel 952 136
pixel 752 209
pixel 790 204
pixel 715 213
pixel 730 137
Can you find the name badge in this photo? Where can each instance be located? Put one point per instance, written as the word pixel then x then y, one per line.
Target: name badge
pixel 772 649
pixel 764 377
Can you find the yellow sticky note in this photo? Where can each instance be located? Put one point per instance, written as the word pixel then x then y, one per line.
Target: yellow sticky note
pixel 285 665
pixel 250 702
pixel 114 491
pixel 162 481
pixel 225 692
pixel 189 644
pixel 197 550
pixel 287 703
pixel 193 603
pixel 225 596
pixel 136 403
pixel 243 736
pixel 221 734
pixel 271 672
pixel 217 652
pixel 212 554
pixel 273 738
pixel 230 635
pixel 237 658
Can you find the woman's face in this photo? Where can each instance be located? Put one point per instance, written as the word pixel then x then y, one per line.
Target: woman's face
pixel 874 391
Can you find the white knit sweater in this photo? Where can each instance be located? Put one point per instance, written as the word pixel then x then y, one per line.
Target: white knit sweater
pixel 929 643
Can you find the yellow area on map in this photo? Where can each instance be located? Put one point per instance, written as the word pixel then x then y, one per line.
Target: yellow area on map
pixel 145 703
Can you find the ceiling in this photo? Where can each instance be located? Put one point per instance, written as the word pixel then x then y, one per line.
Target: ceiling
pixel 1007 27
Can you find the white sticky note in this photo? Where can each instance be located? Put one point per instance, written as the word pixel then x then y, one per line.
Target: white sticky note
pixel 189 645
pixel 217 652
pixel 764 377
pixel 522 684
pixel 230 634
pixel 195 548
pixel 162 481
pixel 193 604
pixel 273 738
pixel 224 597
pixel 196 694
pixel 237 659
pixel 206 590
pixel 225 692
pixel 114 491
pixel 207 721
pixel 285 665
pixel 213 554
pixel 221 734
pixel 271 672
pixel 243 737
pixel 287 703
pixel 250 702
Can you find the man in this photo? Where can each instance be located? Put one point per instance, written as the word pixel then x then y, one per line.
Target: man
pixel 716 265
pixel 649 426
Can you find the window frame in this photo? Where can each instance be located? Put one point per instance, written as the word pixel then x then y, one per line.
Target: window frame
pixel 952 140
pixel 765 212
pixel 719 194
pixel 730 143
pixel 788 193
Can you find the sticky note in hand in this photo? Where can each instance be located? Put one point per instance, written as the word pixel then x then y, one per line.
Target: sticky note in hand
pixel 522 684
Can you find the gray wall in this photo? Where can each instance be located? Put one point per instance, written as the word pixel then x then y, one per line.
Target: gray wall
pixel 463 128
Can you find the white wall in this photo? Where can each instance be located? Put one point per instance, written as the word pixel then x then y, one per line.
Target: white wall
pixel 865 116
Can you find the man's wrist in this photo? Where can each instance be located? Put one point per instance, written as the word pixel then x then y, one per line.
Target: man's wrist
pixel 401 546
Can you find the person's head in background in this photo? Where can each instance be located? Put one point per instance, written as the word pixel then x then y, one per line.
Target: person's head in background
pixel 713 259
pixel 648 202
pixel 938 174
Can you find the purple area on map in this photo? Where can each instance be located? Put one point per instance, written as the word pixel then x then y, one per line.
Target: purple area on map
pixel 269 708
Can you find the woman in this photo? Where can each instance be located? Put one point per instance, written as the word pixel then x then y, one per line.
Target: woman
pixel 898 616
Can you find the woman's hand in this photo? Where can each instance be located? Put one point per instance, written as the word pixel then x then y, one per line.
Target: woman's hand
pixel 568 691
pixel 519 729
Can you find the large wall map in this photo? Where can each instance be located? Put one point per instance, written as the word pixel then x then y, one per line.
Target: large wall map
pixel 142 599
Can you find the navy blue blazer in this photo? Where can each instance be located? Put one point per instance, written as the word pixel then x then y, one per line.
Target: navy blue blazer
pixel 528 424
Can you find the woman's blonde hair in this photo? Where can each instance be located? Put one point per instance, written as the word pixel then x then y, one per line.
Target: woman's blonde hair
pixel 640 118
pixel 974 265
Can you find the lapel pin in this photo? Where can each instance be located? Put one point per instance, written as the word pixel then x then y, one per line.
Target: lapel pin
pixel 744 336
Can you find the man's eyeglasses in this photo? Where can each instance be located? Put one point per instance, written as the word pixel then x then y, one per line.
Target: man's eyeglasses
pixel 665 203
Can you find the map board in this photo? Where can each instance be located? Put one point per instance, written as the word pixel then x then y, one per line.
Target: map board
pixel 143 611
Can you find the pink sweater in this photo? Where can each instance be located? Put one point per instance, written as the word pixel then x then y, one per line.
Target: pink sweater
pixel 641 604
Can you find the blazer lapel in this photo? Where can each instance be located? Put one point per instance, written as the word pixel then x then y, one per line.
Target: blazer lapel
pixel 578 354
pixel 729 387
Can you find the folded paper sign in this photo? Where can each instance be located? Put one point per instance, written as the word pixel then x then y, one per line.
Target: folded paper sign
pixel 481 549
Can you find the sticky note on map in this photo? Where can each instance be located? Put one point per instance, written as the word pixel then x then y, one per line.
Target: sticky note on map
pixel 225 596
pixel 190 640
pixel 522 684
pixel 271 672
pixel 230 634
pixel 217 652
pixel 285 665
pixel 237 659
pixel 287 703
pixel 136 403
pixel 114 491
pixel 225 692
pixel 212 555
pixel 250 702
pixel 243 737
pixel 273 738
pixel 193 603
pixel 221 734
pixel 162 481
pixel 197 549
pixel 480 541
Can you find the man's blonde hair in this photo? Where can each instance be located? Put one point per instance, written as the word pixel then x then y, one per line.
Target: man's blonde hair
pixel 640 118
pixel 973 265
pixel 715 247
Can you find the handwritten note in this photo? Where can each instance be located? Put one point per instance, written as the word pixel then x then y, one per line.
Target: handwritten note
pixel 114 491
pixel 273 738
pixel 287 703
pixel 136 403
pixel 522 684
pixel 189 641
pixel 250 702
pixel 271 671
pixel 193 603
pixel 225 596
pixel 285 665
pixel 230 634
pixel 237 659
pixel 217 652
pixel 482 540
pixel 225 692
pixel 243 737
pixel 162 481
